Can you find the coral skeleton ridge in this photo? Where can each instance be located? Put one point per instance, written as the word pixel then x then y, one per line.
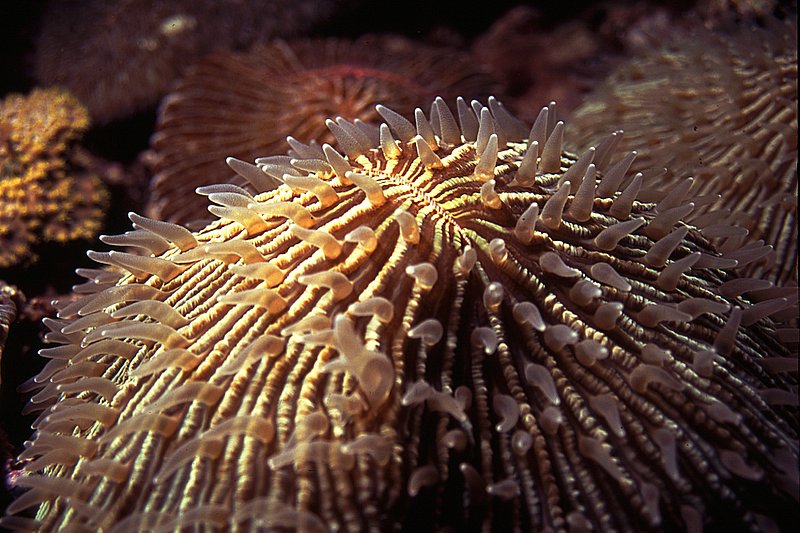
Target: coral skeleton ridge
pixel 446 321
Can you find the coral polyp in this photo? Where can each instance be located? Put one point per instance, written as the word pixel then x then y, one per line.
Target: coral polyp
pixel 448 321
pixel 289 89
pixel 48 192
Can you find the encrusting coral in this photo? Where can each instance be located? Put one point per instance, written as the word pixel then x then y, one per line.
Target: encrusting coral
pixel 47 193
pixel 289 88
pixel 121 56
pixel 451 322
pixel 722 108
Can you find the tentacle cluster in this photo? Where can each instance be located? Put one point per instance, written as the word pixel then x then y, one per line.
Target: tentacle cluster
pixel 449 322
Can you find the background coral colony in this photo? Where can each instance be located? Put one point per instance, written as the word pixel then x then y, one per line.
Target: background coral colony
pixel 341 265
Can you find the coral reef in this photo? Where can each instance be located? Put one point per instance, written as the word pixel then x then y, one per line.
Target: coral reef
pixel 289 89
pixel 47 191
pixel 121 56
pixel 451 322
pixel 721 107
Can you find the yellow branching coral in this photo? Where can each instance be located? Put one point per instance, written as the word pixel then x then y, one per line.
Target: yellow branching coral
pixel 47 193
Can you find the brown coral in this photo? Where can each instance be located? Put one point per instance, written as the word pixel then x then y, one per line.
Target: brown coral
pixel 723 109
pixel 289 89
pixel 46 192
pixel 121 56
pixel 461 328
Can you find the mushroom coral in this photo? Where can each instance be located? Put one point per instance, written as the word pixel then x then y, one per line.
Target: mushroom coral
pixel 288 88
pixel 720 107
pixel 446 322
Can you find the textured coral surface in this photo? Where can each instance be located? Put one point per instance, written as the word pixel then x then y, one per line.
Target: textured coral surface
pixel 46 192
pixel 289 89
pixel 721 107
pixel 450 322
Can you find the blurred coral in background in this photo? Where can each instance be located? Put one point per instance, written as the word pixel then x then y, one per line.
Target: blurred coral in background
pixel 121 57
pixel 720 107
pixel 289 88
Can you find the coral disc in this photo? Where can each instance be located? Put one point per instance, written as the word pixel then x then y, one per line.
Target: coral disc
pixel 451 322
pixel 289 89
pixel 722 108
